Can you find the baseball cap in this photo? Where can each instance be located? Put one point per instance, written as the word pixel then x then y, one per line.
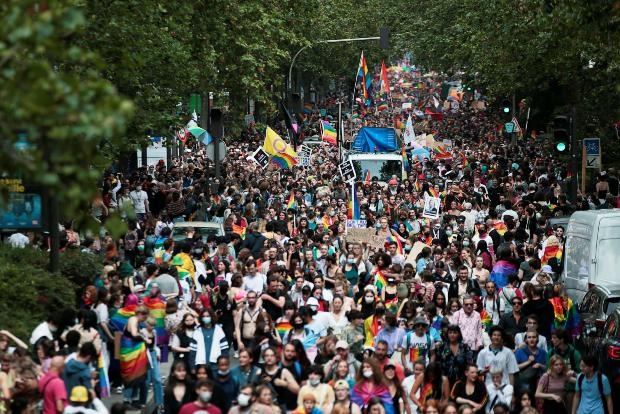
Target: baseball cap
pixel 79 394
pixel 420 321
pixel 342 344
pixel 341 384
pixel 313 303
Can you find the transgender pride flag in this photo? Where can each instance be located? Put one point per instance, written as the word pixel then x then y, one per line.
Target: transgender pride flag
pixel 501 270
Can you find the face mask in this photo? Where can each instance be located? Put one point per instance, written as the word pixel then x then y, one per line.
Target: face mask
pixel 367 373
pixel 362 217
pixel 351 261
pixel 138 188
pixel 315 381
pixel 243 400
pixel 465 243
pixel 333 213
pixel 205 396
pixel 379 311
pixel 206 320
pixel 298 325
pixel 448 232
pixel 52 328
pixel 140 247
pixel 223 373
pixel 369 300
pixel 407 248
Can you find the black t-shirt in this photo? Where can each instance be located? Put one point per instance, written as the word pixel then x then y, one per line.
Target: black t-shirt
pixel 273 311
pixel 224 309
pixel 479 395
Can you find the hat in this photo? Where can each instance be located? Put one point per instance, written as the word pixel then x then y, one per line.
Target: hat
pixel 467 206
pixel 547 269
pixel 154 285
pixel 79 394
pixel 393 182
pixel 312 301
pixel 177 261
pixel 342 344
pixel 138 288
pixel 420 321
pixel 341 384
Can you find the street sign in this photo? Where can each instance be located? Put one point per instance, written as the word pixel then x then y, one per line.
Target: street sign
pixel 261 157
pixel 347 171
pixel 510 127
pixel 593 152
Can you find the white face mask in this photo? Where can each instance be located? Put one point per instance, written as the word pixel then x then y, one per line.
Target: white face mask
pixel 243 400
pixel 369 299
pixel 367 373
pixel 315 381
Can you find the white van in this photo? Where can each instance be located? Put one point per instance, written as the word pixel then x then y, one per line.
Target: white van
pixel 380 165
pixel 592 252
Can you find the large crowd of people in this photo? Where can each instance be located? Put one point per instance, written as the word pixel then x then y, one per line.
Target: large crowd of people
pixel 283 313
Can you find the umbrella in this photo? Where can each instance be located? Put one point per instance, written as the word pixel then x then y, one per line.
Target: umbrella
pixel 196 131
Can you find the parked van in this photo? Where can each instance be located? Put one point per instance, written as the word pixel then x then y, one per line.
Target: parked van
pixel 592 252
pixel 381 165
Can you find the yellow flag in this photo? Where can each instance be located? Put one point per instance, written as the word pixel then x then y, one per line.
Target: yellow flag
pixel 281 153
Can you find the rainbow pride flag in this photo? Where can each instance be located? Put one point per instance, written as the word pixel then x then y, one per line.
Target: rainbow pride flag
pixel 500 227
pixel 157 310
pixel 383 106
pixel 367 177
pixel 501 270
pixel 308 108
pixel 566 315
pixel 241 231
pixel 283 328
pixel 134 361
pixel 118 321
pixel 380 281
pixel 384 84
pixel 362 74
pixel 390 239
pixel 104 381
pixel 417 186
pixel 283 160
pixel 486 320
pixel 353 212
pixel 551 249
pixel 406 165
pixel 327 221
pixel 433 192
pixel 329 133
pixel 291 201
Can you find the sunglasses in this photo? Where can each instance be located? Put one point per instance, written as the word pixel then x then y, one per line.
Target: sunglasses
pixel 517 303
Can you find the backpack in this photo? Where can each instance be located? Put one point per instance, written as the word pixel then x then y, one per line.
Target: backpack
pixel 600 389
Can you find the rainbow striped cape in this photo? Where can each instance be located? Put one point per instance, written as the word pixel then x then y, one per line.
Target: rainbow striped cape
pixel 157 310
pixel 134 361
pixel 362 393
pixel 566 315
pixel 119 319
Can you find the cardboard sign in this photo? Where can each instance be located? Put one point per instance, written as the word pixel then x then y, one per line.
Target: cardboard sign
pixel 261 157
pixel 416 249
pixel 431 207
pixel 347 171
pixel 356 224
pixel 367 236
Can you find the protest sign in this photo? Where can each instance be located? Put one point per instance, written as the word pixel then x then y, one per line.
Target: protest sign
pixel 260 157
pixel 356 224
pixel 347 171
pixel 431 207
pixel 365 236
pixel 416 249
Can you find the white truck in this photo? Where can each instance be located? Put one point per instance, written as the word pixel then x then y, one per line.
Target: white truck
pixel 592 252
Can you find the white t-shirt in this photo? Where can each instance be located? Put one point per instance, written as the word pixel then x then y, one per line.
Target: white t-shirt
pixel 102 313
pixel 504 360
pixel 416 347
pixel 18 240
pixel 407 386
pixel 493 309
pixel 138 199
pixel 255 283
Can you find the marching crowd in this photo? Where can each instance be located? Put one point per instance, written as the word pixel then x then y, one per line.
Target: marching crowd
pixel 281 313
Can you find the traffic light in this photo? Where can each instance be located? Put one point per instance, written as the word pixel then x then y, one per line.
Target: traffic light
pixel 506 106
pixel 384 38
pixel 561 133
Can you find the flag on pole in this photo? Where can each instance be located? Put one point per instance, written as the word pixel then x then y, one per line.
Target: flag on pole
pixel 383 106
pixel 308 107
pixel 406 166
pixel 328 133
pixel 384 84
pixel 367 177
pixel 353 212
pixel 362 74
pixel 409 136
pixel 281 153
pixel 291 201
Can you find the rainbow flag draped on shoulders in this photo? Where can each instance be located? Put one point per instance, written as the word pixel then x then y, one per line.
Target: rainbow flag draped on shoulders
pixel 118 321
pixel 241 231
pixel 399 248
pixel 157 310
pixel 134 361
pixel 362 394
pixel 501 270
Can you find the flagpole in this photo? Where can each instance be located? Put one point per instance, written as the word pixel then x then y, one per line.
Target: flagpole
pixel 339 136
pixel 355 87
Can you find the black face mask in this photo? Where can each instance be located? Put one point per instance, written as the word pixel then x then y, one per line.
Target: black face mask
pixel 298 325
pixel 379 311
